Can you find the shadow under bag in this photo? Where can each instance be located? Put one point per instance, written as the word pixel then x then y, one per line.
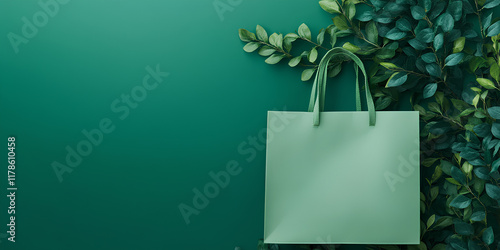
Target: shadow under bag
pixel 342 177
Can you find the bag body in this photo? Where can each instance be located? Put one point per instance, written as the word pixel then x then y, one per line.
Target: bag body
pixel 352 178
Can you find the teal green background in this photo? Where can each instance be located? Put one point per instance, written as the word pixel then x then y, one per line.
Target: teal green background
pixel 125 194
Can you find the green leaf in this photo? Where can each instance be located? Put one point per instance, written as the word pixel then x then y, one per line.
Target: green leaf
pixel 482 173
pixel 307 74
pixel 494 112
pixel 475 63
pixel 495 71
pixel 467 167
pixel 478 216
pixel 340 22
pixel 276 40
pixel 493 191
pixel 430 90
pixel 417 12
pixel 455 9
pixel 434 192
pixel 491 4
pixel 438 41
pixel 251 47
pixel 388 65
pixel 294 61
pixel 382 103
pixel 453 59
pixel 486 83
pixel 458 175
pixel 266 51
pixel 372 32
pixel 487 21
pixel 395 34
pixel 446 22
pixel 403 25
pixel 427 5
pixel 426 35
pixel 429 57
pixel 261 34
pixel 304 31
pixel 496 163
pixel 488 236
pixel 273 59
pixel 431 221
pixel 416 44
pixel 463 228
pixel 443 222
pixel 459 44
pixel 482 129
pixel 331 7
pixel 494 29
pixel 495 129
pixel 321 36
pixel 433 69
pixel 460 202
pixel 397 79
pixel 350 47
pixel 350 10
pixel 313 55
pixel 246 36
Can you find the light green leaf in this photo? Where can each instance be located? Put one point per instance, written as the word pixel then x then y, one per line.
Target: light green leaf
pixel 388 65
pixel 397 79
pixel 453 59
pixel 459 44
pixel 266 51
pixel 307 74
pixel 491 4
pixel 446 22
pixel 486 83
pixel 431 221
pixel 294 61
pixel 438 41
pixel 246 36
pixel 331 7
pixel 429 90
pixel 304 31
pixel 251 47
pixel 495 71
pixel 321 36
pixel 350 10
pixel 350 47
pixel 273 59
pixel 340 22
pixel 313 55
pixel 261 34
pixel 276 40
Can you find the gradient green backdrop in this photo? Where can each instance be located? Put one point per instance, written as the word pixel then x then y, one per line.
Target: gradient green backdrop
pixel 125 194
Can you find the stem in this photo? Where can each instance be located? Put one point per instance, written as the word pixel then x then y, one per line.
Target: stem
pixel 358 32
pixel 316 44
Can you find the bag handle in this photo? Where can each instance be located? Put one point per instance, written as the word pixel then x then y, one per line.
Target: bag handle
pixel 317 101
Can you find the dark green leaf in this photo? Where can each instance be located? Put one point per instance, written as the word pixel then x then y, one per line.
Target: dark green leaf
pixel 493 191
pixel 488 236
pixel 397 79
pixel 482 129
pixel 438 41
pixel 495 164
pixel 455 9
pixel 460 202
pixel 395 34
pixel 478 216
pixel 458 175
pixel 382 103
pixel 429 57
pixel 446 22
pixel 482 173
pixel 426 35
pixel 433 69
pixel 365 16
pixel 487 21
pixel 494 112
pixel 454 59
pixel 417 12
pixel 443 222
pixel 494 29
pixel 463 228
pixel 429 90
pixel 416 44
pixel 495 129
pixel 403 25
pixel 427 5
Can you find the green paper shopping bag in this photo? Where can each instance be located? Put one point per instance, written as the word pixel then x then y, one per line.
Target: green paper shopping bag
pixel 342 177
